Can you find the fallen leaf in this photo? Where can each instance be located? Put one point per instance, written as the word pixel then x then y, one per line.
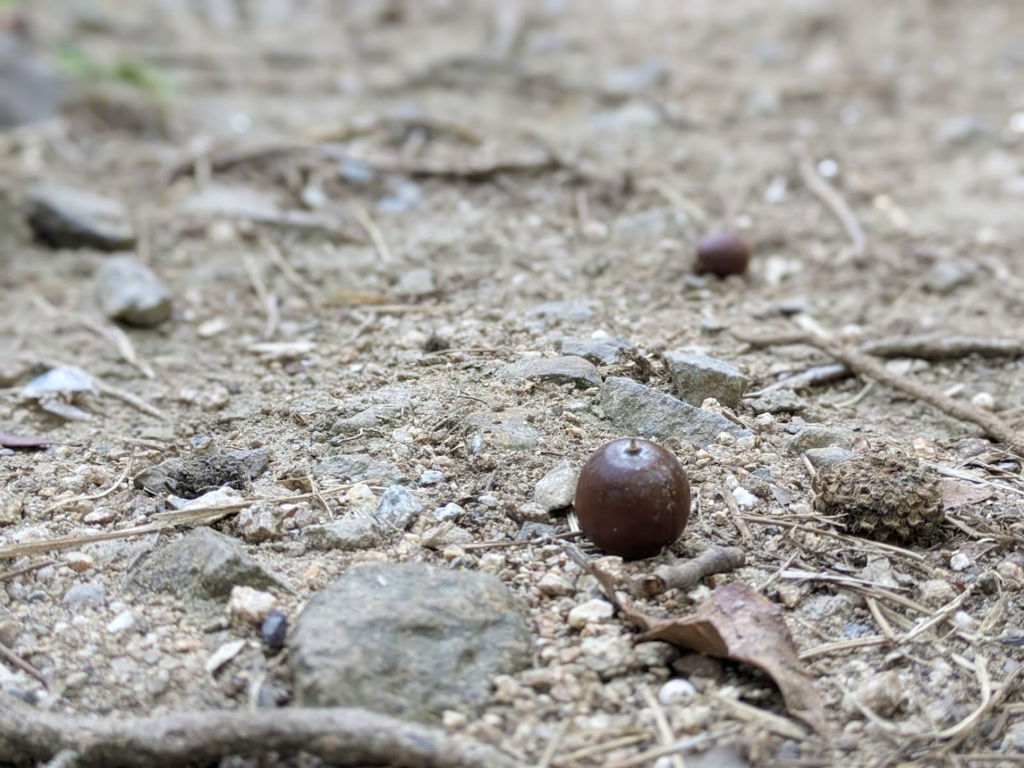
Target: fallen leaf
pixel 956 494
pixel 7 440
pixel 737 623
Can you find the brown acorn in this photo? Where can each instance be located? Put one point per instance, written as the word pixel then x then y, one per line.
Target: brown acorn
pixel 632 498
pixel 722 254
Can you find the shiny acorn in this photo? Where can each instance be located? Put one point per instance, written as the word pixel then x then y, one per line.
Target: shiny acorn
pixel 632 498
pixel 722 254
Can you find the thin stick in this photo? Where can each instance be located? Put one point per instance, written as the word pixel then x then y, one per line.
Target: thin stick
pixel 835 204
pixel 555 743
pixel 111 333
pixel 865 365
pixel 268 301
pixel 12 658
pixel 883 623
pixel 372 230
pixel 665 735
pixel 524 543
pixel 290 273
pixel 646 758
pixel 93 497
pixel 162 521
pixel 339 736
pixel 941 615
pixel 737 517
pixel 134 401
pixel 22 571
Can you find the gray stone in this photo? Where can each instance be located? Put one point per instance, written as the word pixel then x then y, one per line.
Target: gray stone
pixel 201 568
pixel 64 217
pixel 81 594
pixel 431 477
pixel 534 530
pixel 11 505
pixel 651 224
pixel 574 311
pixel 397 508
pixel 370 418
pixel 623 81
pixel 965 129
pixel 697 377
pixel 192 475
pixel 414 283
pixel 606 351
pixel 557 488
pixel 818 436
pixel 638 410
pixel 827 457
pixel 555 370
pixel 450 511
pixel 348 533
pixel 778 401
pixel 947 275
pixel 484 433
pixel 357 468
pixel 258 523
pixel 29 89
pixel 408 640
pixel 129 291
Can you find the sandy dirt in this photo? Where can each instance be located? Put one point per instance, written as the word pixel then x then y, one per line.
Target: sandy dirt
pixel 526 153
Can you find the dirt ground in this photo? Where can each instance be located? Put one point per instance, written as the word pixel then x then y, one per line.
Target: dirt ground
pixel 530 152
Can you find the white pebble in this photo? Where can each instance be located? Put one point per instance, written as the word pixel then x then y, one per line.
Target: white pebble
pixel 675 690
pixel 960 562
pixel 984 400
pixel 121 622
pixel 744 498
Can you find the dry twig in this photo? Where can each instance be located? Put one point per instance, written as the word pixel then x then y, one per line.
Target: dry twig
pixel 267 299
pixel 865 365
pixel 372 230
pixel 836 205
pixel 350 737
pixel 689 573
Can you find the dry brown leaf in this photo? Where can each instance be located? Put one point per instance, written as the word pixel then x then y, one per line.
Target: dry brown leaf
pixel 738 623
pixel 7 440
pixel 956 494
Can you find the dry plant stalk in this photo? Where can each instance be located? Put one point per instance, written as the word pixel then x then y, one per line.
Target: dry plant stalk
pixel 865 365
pixel 689 573
pixel 339 736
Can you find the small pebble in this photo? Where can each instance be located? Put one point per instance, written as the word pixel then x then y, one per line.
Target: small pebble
pixel 960 562
pixel 121 622
pixel 78 561
pixel 984 400
pixel 676 690
pixel 431 477
pixel 554 585
pixel 450 511
pixel 744 498
pixel 250 606
pixel 591 612
pixel 274 629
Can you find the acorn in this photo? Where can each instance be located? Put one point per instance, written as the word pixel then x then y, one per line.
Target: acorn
pixel 632 498
pixel 722 254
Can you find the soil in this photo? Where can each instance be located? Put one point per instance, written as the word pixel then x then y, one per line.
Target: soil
pixel 578 153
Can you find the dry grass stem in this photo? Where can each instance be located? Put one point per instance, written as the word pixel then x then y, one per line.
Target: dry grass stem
pixel 835 204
